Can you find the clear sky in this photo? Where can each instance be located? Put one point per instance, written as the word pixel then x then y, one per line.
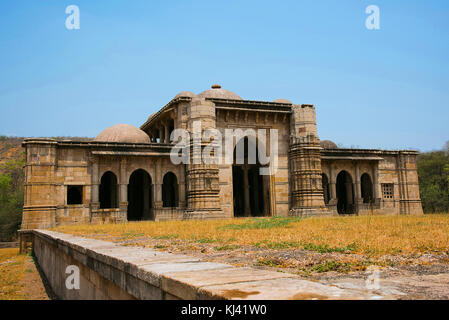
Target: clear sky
pixel 386 88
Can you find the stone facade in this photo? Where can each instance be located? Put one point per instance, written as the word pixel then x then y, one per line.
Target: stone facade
pixel 126 173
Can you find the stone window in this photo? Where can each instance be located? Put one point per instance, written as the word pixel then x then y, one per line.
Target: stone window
pixel 74 194
pixel 387 190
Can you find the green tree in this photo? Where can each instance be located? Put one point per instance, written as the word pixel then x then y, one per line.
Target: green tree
pixel 11 198
pixel 433 171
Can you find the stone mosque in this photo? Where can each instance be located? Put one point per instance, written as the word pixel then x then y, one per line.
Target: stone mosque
pixel 126 174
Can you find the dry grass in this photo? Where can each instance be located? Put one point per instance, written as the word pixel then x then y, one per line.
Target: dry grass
pixel 372 235
pixel 12 271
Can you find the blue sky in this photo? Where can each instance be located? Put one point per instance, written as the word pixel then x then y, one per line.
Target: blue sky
pixel 387 88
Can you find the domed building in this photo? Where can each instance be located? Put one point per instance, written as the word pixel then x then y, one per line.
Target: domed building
pixel 271 163
pixel 327 144
pixel 123 133
pixel 216 92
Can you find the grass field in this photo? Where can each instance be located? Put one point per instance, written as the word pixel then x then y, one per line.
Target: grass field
pixel 370 235
pixel 12 270
pixel 19 277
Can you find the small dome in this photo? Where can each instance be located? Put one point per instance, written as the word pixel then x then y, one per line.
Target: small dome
pixel 282 101
pixel 327 144
pixel 218 93
pixel 185 94
pixel 124 133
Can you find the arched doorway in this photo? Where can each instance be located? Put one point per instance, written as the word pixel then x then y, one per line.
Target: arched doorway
pixel 108 191
pixel 326 191
pixel 367 188
pixel 250 188
pixel 345 193
pixel 170 190
pixel 139 196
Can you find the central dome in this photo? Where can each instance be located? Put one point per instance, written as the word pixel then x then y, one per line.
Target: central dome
pixel 124 133
pixel 218 93
pixel 328 144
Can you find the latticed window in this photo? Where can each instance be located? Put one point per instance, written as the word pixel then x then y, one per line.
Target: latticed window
pixel 387 190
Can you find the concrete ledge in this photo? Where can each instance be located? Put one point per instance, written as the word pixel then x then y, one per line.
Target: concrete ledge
pixel 111 271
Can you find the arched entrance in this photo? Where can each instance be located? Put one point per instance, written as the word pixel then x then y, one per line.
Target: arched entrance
pixel 345 193
pixel 139 196
pixel 250 188
pixel 367 188
pixel 108 191
pixel 170 190
pixel 326 191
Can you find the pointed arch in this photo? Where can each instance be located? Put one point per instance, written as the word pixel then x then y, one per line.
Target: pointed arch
pixel 170 197
pixel 140 195
pixel 108 191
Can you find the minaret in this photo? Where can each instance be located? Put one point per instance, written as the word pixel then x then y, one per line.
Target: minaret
pixel 203 188
pixel 305 163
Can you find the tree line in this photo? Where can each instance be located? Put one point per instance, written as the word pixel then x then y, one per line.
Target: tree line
pixel 433 175
pixel 11 198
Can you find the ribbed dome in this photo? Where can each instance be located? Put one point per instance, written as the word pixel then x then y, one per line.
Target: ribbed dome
pixel 124 133
pixel 327 144
pixel 282 101
pixel 185 94
pixel 219 93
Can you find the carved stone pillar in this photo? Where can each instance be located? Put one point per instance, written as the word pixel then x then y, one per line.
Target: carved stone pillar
pixel 161 134
pixel 158 186
pixel 256 193
pixel 203 200
pixel 305 152
pixel 376 185
pixel 123 196
pixel 358 190
pixel 146 197
pixel 247 211
pixel 182 187
pixel 95 189
pixel 166 134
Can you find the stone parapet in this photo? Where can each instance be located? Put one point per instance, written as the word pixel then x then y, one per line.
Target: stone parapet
pixel 110 271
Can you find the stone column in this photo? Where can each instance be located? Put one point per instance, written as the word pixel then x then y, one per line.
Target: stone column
pixel 123 193
pixel 307 194
pixel 256 193
pixel 358 191
pixel 266 195
pixel 161 134
pixel 376 185
pixel 203 195
pixel 146 198
pixel 182 186
pixel 332 187
pixel 158 185
pixel 166 134
pixel 246 191
pixel 95 202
